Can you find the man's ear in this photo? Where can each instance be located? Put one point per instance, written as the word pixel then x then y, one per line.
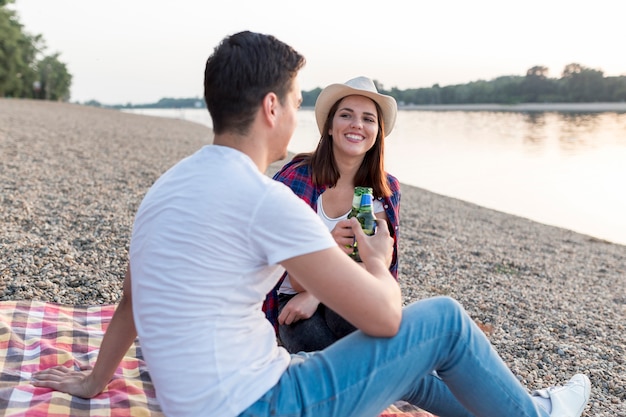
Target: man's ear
pixel 270 107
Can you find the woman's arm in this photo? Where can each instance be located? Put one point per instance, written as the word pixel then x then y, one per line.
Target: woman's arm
pixel 118 338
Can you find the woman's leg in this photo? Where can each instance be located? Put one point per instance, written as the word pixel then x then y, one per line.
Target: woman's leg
pixel 305 335
pixel 359 375
pixel 337 324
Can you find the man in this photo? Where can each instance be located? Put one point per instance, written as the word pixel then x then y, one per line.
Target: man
pixel 214 234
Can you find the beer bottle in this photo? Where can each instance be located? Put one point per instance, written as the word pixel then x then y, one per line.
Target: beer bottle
pixel 356 204
pixel 356 199
pixel 367 219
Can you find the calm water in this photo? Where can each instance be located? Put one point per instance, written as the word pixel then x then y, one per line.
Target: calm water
pixel 562 169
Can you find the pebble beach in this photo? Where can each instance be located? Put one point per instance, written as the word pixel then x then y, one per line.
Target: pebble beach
pixel 552 301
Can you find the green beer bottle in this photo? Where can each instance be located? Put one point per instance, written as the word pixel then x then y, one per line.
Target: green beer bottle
pixel 367 219
pixel 356 199
pixel 356 204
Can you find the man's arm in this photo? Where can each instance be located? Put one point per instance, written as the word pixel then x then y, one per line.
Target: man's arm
pixel 369 297
pixel 304 304
pixel 118 338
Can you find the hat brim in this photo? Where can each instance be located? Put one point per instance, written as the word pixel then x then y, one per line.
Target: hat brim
pixel 335 92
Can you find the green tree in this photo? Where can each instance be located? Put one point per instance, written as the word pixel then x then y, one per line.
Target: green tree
pixel 616 88
pixel 54 79
pixel 507 89
pixel 536 85
pixel 17 54
pixel 309 97
pixel 22 73
pixel 582 84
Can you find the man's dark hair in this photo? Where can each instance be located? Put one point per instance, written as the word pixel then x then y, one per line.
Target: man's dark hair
pixel 243 69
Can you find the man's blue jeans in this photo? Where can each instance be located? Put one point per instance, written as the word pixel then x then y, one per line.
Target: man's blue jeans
pixel 360 376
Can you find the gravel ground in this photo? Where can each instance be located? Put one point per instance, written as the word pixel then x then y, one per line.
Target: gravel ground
pixel 552 301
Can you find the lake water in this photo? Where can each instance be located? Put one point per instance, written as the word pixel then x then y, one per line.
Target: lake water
pixel 566 169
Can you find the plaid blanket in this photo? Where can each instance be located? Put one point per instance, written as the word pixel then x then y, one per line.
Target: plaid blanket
pixel 36 335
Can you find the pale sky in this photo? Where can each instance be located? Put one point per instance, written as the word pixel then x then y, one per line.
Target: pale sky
pixel 140 51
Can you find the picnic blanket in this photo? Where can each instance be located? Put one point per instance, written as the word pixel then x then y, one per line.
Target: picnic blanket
pixel 37 335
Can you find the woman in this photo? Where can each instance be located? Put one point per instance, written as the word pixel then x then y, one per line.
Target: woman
pixel 353 120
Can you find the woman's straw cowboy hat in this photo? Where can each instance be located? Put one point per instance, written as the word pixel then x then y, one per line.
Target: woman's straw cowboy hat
pixel 361 86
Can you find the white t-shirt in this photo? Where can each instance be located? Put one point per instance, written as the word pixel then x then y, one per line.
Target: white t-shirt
pixel 204 251
pixel 330 223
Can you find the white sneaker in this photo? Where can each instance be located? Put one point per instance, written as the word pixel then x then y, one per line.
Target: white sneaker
pixel 570 399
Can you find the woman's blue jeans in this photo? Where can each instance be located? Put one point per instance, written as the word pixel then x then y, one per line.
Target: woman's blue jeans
pixel 359 376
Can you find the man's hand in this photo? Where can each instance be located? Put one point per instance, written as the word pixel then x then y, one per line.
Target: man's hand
pixel 378 246
pixel 60 378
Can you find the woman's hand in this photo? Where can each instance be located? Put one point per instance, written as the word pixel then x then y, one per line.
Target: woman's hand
pixel 63 379
pixel 344 236
pixel 301 307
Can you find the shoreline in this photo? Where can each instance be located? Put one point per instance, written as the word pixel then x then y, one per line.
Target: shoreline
pixel 609 107
pixel 72 177
pixel 619 107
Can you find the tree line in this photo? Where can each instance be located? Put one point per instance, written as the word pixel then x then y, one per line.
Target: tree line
pixel 26 72
pixel 577 84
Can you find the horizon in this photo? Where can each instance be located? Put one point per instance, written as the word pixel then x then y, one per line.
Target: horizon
pixel 200 96
pixel 154 50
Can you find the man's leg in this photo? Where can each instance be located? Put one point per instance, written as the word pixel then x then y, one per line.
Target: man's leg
pixel 361 375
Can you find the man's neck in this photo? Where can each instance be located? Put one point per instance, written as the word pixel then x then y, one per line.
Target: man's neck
pixel 245 145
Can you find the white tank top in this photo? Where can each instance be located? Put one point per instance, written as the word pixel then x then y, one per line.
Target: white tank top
pixel 330 222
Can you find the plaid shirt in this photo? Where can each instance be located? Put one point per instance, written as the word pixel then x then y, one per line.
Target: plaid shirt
pixel 299 179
